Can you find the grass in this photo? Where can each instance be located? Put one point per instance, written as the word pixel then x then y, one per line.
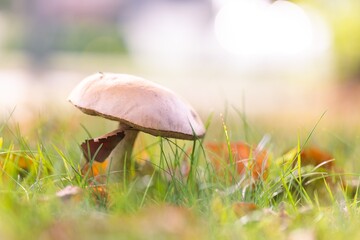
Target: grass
pixel 292 201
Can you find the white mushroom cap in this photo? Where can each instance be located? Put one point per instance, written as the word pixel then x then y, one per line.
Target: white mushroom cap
pixel 138 103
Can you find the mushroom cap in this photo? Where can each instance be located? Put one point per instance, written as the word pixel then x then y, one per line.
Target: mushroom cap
pixel 138 103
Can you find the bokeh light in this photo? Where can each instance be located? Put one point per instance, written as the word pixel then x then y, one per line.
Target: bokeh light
pixel 259 29
pixel 231 51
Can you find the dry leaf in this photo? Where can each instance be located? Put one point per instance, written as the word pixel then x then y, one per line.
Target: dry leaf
pixel 99 193
pixel 315 156
pixel 16 164
pixel 322 164
pixel 99 149
pixel 243 208
pixel 246 158
pixel 309 156
pixel 94 169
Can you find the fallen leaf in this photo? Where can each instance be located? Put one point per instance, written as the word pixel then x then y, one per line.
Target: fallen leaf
pixel 309 156
pixel 24 162
pixel 99 193
pixel 246 159
pixel 320 175
pixel 94 169
pixel 16 164
pixel 98 149
pixel 96 174
pixel 242 208
pixel 315 156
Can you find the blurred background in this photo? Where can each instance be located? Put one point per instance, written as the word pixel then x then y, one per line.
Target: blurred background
pixel 271 59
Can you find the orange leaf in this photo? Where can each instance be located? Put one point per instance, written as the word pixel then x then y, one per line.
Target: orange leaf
pixel 242 208
pixel 100 193
pixel 315 156
pixel 96 170
pixel 245 157
pixel 17 164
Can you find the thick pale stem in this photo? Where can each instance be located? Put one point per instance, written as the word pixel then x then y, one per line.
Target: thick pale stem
pixel 120 158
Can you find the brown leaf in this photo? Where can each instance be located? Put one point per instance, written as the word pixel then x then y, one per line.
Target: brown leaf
pixel 315 156
pixel 100 148
pixel 95 171
pixel 17 164
pixel 245 157
pixel 242 208
pixel 99 193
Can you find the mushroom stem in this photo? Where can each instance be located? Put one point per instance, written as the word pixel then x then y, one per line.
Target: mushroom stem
pixel 120 158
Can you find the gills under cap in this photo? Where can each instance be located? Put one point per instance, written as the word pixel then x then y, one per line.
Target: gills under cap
pixel 138 103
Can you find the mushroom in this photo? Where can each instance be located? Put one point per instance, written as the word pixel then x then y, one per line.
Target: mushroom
pixel 138 105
